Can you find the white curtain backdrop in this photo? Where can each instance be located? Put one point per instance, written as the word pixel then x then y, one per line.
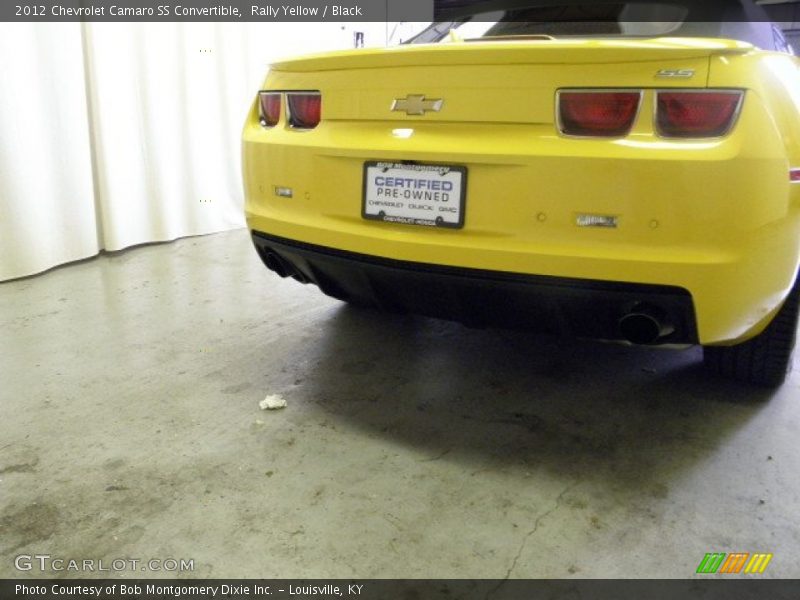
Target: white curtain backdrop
pixel 47 213
pixel 116 134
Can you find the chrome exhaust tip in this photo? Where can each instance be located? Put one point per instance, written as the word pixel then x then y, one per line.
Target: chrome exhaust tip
pixel 645 325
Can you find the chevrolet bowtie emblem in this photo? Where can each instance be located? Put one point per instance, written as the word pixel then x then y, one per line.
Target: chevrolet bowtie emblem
pixel 416 104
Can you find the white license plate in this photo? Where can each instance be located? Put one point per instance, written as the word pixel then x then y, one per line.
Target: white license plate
pixel 414 194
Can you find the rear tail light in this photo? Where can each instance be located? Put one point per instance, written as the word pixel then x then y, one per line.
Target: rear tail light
pixel 597 113
pixel 794 175
pixel 269 108
pixel 305 109
pixel 697 113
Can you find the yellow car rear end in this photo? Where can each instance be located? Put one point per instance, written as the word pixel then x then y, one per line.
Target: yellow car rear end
pixel 656 228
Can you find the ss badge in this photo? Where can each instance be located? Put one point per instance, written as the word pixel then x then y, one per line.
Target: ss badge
pixel 675 74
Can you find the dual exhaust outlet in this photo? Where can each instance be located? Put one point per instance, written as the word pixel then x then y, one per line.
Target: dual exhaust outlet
pixel 282 267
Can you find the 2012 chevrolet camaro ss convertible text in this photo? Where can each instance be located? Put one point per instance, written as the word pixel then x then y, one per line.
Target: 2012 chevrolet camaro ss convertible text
pixel 619 179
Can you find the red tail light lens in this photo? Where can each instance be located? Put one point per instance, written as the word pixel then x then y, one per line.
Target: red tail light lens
pixel 305 109
pixel 697 114
pixel 269 108
pixel 597 114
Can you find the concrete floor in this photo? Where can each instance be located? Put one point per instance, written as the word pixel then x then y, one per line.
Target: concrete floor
pixel 130 427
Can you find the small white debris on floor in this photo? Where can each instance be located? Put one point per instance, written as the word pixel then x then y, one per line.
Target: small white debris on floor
pixel 272 402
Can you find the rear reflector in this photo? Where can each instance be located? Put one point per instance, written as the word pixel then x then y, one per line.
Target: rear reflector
pixel 305 109
pixel 794 175
pixel 597 113
pixel 269 108
pixel 697 114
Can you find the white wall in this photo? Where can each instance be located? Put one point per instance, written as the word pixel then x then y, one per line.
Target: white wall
pixel 115 134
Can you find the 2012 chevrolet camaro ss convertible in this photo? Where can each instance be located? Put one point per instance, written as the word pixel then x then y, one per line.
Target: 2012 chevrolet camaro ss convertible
pixel 618 179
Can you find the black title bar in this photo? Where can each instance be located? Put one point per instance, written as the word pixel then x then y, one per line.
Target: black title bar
pixel 392 10
pixel 223 10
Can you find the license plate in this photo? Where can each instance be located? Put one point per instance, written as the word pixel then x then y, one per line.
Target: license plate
pixel 414 194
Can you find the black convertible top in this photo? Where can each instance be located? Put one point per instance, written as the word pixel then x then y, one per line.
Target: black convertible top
pixel 604 10
pixel 742 20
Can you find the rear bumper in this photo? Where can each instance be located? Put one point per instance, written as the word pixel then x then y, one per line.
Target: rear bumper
pixel 578 307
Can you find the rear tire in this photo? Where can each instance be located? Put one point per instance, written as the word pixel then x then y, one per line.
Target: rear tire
pixel 765 359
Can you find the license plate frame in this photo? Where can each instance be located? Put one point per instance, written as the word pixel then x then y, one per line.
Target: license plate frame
pixel 412 193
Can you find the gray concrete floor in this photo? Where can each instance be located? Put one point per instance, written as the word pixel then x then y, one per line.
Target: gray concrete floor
pixel 130 428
